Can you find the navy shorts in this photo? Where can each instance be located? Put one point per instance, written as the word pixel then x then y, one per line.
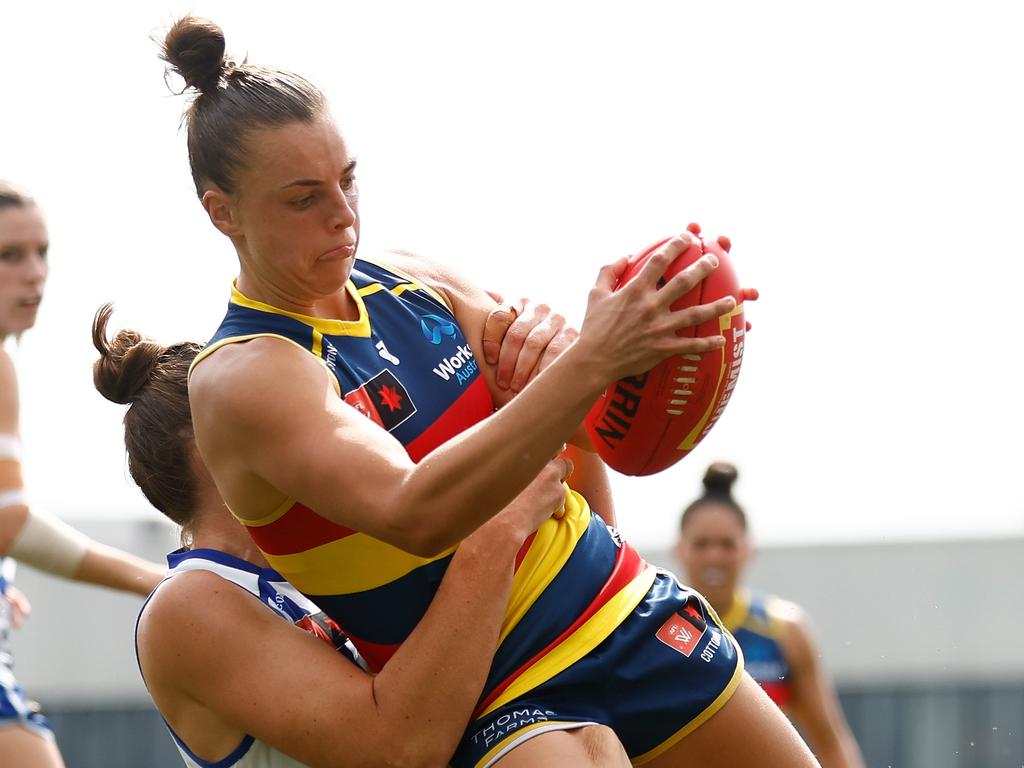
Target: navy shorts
pixel 665 670
pixel 15 709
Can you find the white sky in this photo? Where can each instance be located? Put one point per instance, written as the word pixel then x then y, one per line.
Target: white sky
pixel 866 160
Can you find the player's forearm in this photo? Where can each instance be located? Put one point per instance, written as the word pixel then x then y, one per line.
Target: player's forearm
pixel 463 483
pixel 431 685
pixel 112 568
pixel 590 479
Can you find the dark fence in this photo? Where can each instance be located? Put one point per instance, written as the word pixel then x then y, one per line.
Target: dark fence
pixel 950 726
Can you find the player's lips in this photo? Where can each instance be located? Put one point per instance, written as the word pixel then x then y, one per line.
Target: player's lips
pixel 342 252
pixel 714 577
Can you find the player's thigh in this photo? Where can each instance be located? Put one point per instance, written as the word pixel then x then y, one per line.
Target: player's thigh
pixel 22 747
pixel 592 746
pixel 749 730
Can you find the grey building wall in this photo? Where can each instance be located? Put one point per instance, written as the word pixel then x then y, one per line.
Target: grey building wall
pixel 928 612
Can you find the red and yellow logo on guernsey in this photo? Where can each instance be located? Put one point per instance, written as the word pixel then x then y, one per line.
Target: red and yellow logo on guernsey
pixel 683 632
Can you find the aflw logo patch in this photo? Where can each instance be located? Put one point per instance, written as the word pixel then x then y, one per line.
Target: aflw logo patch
pixel 383 399
pixel 682 631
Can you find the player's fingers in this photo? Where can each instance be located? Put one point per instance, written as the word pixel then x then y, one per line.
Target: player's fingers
pixel 558 345
pixel 693 316
pixel 514 345
pixel 687 279
pixel 697 345
pixel 749 294
pixel 537 342
pixel 609 275
pixel 653 270
pixel 496 326
pixel 725 242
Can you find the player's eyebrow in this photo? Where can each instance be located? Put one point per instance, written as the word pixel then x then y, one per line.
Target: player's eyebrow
pixel 316 182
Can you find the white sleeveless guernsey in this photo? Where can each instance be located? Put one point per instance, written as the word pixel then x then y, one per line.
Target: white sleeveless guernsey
pixel 267 586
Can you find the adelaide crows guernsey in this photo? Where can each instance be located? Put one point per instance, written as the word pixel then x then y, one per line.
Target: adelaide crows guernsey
pixel 406 365
pixel 755 621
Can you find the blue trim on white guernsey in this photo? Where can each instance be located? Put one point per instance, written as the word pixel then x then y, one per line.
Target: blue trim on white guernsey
pixel 7 568
pixel 230 761
pixel 266 585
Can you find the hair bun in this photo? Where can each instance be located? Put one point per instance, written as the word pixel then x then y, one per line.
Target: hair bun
pixel 126 362
pixel 719 478
pixel 194 48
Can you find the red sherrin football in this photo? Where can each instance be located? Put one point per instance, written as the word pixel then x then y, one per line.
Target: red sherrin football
pixel 644 424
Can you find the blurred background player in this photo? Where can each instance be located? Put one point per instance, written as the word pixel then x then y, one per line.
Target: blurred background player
pixel 779 648
pixel 26 534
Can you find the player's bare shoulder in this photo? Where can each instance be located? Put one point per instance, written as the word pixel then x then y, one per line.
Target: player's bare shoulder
pixel 237 376
pixel 793 628
pixel 427 272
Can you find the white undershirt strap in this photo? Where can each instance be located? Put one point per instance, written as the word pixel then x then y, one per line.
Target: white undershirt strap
pixel 10 446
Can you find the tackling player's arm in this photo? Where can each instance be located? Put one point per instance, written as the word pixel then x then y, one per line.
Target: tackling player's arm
pixel 220 665
pixel 42 540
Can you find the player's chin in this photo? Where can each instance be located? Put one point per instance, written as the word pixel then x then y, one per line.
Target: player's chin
pixel 331 274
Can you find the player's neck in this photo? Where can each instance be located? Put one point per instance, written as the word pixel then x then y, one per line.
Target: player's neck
pixel 216 529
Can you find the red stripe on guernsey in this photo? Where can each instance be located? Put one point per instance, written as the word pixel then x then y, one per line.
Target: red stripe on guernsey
pixel 521 554
pixel 777 692
pixel 473 405
pixel 376 655
pixel 297 530
pixel 628 565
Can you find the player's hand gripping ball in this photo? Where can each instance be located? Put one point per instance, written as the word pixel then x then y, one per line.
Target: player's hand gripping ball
pixel 644 424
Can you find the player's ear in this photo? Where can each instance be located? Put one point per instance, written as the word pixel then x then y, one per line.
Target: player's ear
pixel 221 209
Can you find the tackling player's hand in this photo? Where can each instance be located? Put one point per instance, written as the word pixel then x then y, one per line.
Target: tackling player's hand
pixel 541 499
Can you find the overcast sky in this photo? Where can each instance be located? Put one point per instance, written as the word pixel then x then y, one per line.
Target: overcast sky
pixel 865 158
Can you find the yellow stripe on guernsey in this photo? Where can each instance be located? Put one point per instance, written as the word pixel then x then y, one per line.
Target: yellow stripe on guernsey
pixel 582 641
pixel 369 564
pixel 739 615
pixel 358 327
pixel 412 284
pixel 551 548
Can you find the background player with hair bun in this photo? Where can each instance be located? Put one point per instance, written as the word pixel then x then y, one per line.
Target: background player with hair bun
pixel 779 648
pixel 27 534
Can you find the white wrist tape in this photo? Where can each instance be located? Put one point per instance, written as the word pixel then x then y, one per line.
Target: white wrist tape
pixel 12 497
pixel 10 446
pixel 49 544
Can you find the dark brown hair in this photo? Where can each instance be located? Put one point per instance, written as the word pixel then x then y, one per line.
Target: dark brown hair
pixel 718 481
pixel 13 196
pixel 233 99
pixel 153 381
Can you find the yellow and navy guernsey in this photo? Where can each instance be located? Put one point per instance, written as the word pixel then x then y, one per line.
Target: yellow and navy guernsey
pixel 406 365
pixel 755 621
